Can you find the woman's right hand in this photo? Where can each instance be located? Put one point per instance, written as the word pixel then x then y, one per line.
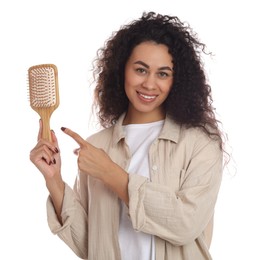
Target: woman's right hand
pixel 46 156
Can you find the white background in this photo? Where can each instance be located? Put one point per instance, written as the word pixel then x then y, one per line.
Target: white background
pixel 68 34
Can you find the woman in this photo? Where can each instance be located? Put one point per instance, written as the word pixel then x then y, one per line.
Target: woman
pixel 148 182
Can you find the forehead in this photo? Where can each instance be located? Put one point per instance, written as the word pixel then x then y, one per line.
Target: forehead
pixel 151 53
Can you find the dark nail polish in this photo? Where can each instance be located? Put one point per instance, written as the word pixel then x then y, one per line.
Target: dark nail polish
pixel 63 128
pixel 56 150
pixel 54 161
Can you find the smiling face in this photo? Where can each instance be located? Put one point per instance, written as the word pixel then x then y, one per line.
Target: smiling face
pixel 148 81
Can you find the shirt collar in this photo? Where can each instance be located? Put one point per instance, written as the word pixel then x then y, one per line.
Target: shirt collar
pixel 118 131
pixel 170 130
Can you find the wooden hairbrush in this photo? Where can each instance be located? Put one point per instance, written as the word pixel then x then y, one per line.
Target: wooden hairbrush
pixel 44 93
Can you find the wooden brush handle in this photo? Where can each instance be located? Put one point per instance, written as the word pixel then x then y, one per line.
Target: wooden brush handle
pixel 46 134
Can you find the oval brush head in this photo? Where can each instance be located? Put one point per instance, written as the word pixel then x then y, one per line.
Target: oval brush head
pixel 44 93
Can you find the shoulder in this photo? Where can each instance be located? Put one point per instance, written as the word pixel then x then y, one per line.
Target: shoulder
pixel 101 138
pixel 106 136
pixel 196 139
pixel 194 134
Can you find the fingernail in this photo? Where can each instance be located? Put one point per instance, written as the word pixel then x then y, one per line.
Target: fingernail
pixel 54 161
pixel 63 128
pixel 56 150
pixel 53 131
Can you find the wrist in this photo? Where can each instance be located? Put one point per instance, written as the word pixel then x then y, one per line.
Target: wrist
pixel 117 180
pixel 55 183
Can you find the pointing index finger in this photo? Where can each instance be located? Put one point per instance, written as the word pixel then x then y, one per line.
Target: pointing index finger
pixel 75 136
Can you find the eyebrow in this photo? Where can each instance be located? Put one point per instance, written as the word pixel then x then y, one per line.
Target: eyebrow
pixel 147 66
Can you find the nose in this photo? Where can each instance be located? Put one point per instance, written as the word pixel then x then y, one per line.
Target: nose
pixel 149 82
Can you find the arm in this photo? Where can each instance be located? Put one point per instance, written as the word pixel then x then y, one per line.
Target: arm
pixel 66 216
pixel 74 227
pixel 96 163
pixel 46 157
pixel 178 215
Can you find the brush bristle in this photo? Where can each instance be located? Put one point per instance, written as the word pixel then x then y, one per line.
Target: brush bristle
pixel 42 86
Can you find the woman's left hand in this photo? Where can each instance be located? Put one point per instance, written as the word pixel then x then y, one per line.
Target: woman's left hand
pixel 96 163
pixel 91 160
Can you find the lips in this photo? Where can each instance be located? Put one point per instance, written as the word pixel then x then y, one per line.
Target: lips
pixel 146 98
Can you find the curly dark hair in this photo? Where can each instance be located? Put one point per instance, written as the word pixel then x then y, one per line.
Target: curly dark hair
pixel 189 102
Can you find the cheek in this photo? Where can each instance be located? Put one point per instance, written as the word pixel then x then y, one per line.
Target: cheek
pixel 166 88
pixel 127 87
pixel 127 80
pixel 131 81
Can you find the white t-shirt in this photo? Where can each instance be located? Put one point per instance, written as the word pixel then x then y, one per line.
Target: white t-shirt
pixel 137 245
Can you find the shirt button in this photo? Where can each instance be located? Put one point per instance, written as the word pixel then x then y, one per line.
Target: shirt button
pixel 154 167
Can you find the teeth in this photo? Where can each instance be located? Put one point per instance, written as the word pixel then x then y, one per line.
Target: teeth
pixel 147 97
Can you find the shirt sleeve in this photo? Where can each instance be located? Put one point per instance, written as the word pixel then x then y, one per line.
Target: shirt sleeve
pixel 74 229
pixel 179 216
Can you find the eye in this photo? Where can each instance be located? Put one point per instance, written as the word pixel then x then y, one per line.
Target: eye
pixel 140 70
pixel 163 74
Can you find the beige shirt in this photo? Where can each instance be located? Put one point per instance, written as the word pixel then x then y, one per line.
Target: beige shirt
pixel 176 206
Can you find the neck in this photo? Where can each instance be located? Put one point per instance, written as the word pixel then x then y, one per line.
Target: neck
pixel 142 117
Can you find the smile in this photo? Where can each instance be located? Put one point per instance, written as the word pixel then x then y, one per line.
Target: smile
pixel 146 97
